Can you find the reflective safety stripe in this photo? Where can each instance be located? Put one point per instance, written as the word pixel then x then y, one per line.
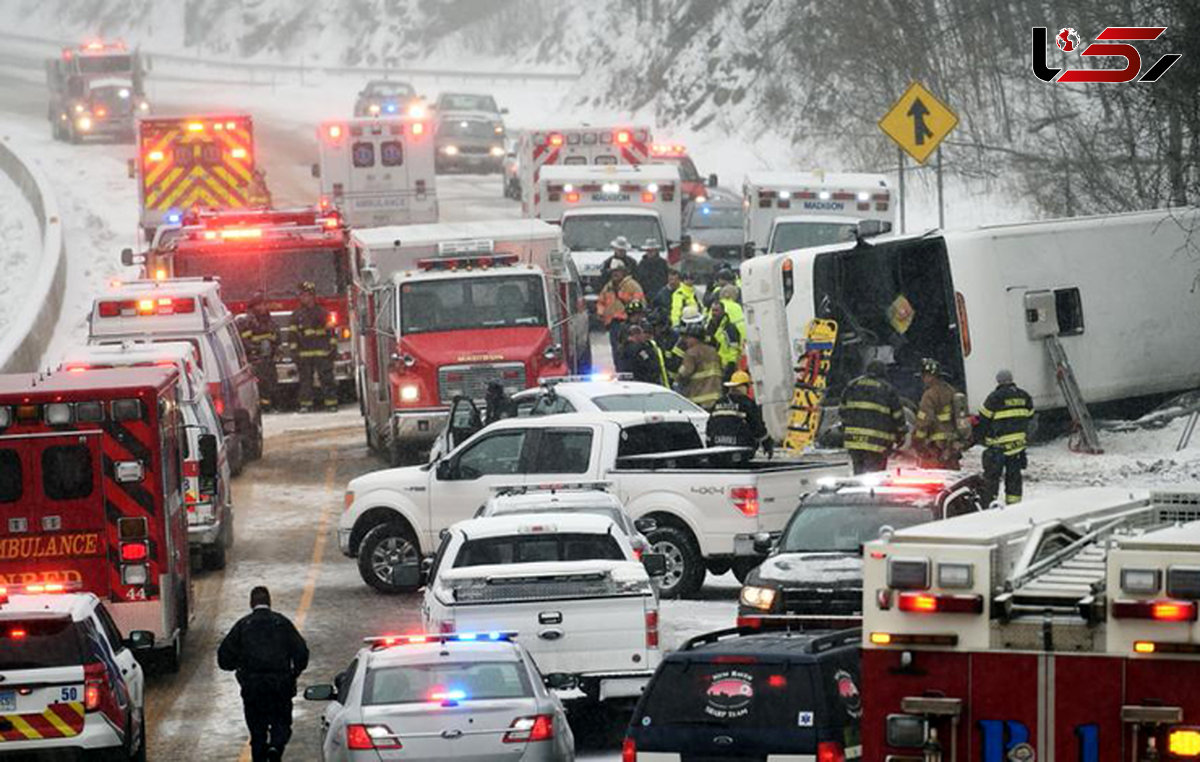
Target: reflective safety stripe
pixel 864 432
pixel 862 444
pixel 1017 412
pixel 1006 439
pixel 945 415
pixel 705 374
pixel 1010 499
pixel 937 436
pixel 863 405
pixel 731 413
pixel 701 399
pixel 314 353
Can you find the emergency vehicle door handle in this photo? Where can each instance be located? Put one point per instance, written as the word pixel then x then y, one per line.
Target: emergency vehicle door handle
pixel 551 634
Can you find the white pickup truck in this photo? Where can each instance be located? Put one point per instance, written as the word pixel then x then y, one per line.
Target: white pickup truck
pixel 707 503
pixel 567 583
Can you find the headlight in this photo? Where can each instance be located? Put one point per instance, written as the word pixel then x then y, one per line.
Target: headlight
pixel 498 129
pixel 497 151
pixel 450 150
pixel 416 111
pixel 761 598
pixel 78 108
pixel 123 93
pixel 409 393
pixel 698 248
pixel 144 106
pixel 84 123
pixel 373 109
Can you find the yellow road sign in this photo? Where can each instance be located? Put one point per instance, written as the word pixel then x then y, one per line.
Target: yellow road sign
pixel 918 122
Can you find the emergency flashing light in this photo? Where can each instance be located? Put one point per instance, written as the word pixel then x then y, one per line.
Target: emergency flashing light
pixel 572 198
pixel 447 696
pixel 1184 742
pixel 623 136
pixel 238 153
pixel 335 131
pixel 241 233
pixel 145 306
pixel 387 641
pixel 174 218
pixel 1160 610
pixel 418 128
pixel 195 127
pixel 647 197
pixel 1143 647
pixel 925 603
pixel 555 139
pixel 134 551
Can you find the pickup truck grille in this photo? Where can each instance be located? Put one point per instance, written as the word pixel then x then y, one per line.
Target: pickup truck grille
pixel 542 588
pixel 823 601
pixel 471 381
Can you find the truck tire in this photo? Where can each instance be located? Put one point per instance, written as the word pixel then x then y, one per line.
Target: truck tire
pixel 743 566
pixel 685 565
pixel 387 550
pixel 237 456
pixel 216 556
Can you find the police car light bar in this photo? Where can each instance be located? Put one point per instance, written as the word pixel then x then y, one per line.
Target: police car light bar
pixel 552 380
pixel 388 641
pixel 38 588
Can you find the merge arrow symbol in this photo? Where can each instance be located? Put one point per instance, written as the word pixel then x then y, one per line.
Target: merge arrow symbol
pixel 918 111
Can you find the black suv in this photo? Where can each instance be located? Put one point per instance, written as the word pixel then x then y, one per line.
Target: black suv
pixel 740 695
pixel 813 573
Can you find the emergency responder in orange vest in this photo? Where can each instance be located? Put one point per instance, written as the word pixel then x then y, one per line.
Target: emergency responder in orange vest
pixel 936 435
pixel 260 338
pixel 700 372
pixel 872 419
pixel 316 346
pixel 1004 427
pixel 620 290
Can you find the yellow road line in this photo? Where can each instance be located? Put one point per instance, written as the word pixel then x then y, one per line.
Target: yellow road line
pixel 314 566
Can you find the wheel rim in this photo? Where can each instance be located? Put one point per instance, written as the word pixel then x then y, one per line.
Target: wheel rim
pixel 675 563
pixel 391 554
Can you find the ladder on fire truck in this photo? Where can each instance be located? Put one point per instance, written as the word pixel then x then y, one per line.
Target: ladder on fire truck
pixel 1088 438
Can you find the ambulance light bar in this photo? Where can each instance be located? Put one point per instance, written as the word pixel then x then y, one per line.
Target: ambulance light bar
pixel 663 149
pixel 926 603
pixel 900 639
pixel 1161 610
pixel 387 641
pixel 467 263
pixel 147 307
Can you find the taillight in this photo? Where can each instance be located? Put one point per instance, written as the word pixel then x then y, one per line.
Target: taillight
pixel 652 629
pixel 830 751
pixel 647 197
pixel 925 603
pixel 539 727
pixel 365 737
pixel 95 682
pixel 134 552
pixel 629 750
pixel 745 499
pixel 1161 610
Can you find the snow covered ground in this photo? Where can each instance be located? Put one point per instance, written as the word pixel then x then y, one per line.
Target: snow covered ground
pixel 20 248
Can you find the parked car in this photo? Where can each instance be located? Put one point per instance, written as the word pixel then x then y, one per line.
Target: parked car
pixel 468 133
pixel 813 572
pixel 568 498
pixel 731 695
pixel 384 97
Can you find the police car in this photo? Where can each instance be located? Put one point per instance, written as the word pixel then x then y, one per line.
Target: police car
pixel 68 681
pixel 813 574
pixel 445 696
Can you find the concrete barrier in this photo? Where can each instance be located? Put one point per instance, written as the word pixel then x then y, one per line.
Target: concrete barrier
pixel 25 339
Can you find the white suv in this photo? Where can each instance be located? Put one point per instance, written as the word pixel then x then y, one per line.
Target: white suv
pixel 70 681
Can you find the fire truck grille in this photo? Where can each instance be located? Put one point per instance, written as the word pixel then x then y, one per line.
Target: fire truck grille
pixel 471 381
pixel 842 601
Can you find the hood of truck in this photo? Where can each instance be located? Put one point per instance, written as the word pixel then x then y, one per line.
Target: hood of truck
pixel 389 478
pixel 476 345
pixel 717 236
pixel 809 570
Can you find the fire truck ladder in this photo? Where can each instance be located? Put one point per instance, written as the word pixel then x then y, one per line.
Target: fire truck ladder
pixel 1088 440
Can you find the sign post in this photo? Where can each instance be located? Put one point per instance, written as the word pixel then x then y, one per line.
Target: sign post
pixel 918 122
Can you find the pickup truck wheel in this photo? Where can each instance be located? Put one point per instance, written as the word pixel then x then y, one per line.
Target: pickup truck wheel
pixel 685 566
pixel 389 560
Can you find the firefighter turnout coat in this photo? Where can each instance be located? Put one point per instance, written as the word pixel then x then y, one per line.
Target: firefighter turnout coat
pixel 1004 419
pixel 311 332
pixel 872 416
pixel 700 375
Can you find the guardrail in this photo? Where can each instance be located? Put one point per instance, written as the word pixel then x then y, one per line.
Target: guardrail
pixel 27 336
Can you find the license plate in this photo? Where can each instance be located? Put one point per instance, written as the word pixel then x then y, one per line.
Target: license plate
pixel 8 702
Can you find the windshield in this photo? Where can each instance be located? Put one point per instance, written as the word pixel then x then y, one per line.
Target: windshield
pixel 469 681
pixel 597 233
pixel 538 548
pixel 467 103
pixel 466 303
pixel 276 272
pixel 105 64
pixel 39 643
pixel 845 528
pixel 736 694
pixel 707 216
pixel 646 402
pixel 391 90
pixel 799 235
pixel 470 128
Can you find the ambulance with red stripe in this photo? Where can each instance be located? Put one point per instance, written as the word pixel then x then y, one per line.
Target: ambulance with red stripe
pixel 71 682
pixel 575 146
pixel 1061 629
pixel 196 162
pixel 378 171
pixel 91 493
pixel 695 187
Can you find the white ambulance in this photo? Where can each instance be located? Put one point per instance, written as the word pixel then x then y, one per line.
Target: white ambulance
pixel 378 171
pixel 595 205
pixel 793 210
pixel 575 146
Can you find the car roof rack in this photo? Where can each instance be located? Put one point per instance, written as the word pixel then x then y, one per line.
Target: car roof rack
pixel 818 643
pixel 552 488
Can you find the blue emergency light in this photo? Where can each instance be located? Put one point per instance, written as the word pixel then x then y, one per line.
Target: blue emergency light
pixel 173 218
pixel 391 108
pixel 388 641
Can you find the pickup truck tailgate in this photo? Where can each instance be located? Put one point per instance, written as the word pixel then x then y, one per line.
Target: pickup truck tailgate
pixel 578 621
pixel 779 492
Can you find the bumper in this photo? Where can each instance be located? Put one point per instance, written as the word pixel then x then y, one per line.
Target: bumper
pixel 204 535
pixel 344 541
pixel 743 546
pixel 617 685
pixel 478 158
pixel 97 734
pixel 420 427
pixel 289 373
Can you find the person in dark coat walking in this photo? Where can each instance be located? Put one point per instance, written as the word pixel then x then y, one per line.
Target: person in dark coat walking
pixel 872 419
pixel 268 654
pixel 1004 428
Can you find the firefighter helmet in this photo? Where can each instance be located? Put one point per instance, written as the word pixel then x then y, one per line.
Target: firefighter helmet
pixel 308 287
pixel 930 367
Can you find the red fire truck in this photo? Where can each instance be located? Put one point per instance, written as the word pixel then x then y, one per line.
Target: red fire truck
pixel 91 492
pixel 268 250
pixel 1062 629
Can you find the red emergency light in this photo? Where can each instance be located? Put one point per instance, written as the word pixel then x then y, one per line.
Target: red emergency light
pixel 623 136
pixel 1160 610
pixel 573 198
pixel 555 139
pixel 647 197
pixel 927 603
pixel 418 128
pixel 454 263
pixel 144 307
pixel 133 552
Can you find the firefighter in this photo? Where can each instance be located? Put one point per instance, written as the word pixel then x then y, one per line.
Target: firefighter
pixel 267 653
pixel 1003 427
pixel 260 338
pixel 682 297
pixel 936 435
pixel 673 336
pixel 872 419
pixel 643 358
pixel 652 270
pixel 700 372
pixel 620 290
pixel 736 420
pixel 726 328
pixel 316 347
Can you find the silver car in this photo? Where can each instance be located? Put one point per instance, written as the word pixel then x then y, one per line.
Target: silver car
pixel 460 696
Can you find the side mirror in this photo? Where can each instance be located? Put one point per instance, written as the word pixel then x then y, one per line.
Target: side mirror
pixel 208 456
pixel 712 181
pixel 445 470
pixel 644 525
pixel 140 640
pixel 504 111
pixel 561 681
pixel 655 564
pixel 763 542
pixel 369 276
pixel 127 257
pixel 324 692
pixel 316 170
